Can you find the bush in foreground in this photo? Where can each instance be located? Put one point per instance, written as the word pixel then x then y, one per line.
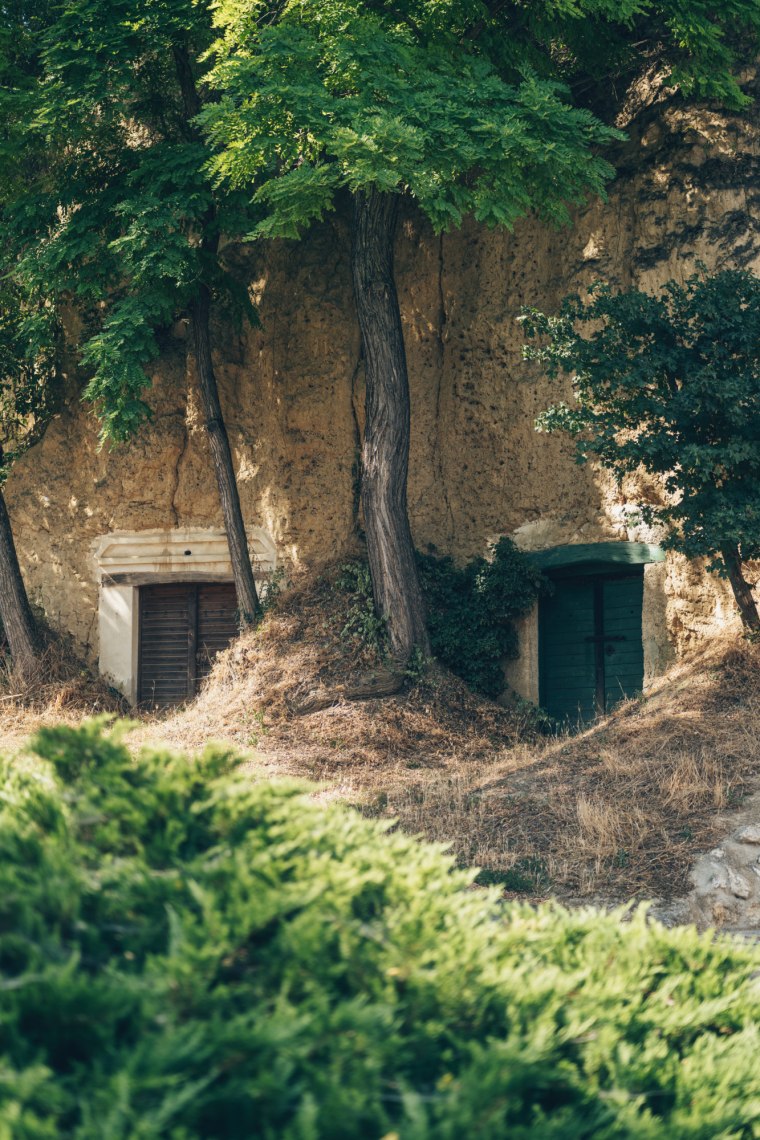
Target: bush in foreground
pixel 186 954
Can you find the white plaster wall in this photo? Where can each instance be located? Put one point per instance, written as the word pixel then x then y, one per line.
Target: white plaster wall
pixel 658 652
pixel 522 674
pixel 118 638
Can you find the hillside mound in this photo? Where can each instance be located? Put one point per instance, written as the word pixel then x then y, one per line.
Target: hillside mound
pixel 307 691
pixel 618 810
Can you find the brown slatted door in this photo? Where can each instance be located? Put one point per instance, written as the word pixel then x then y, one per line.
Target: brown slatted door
pixel 166 674
pixel 217 622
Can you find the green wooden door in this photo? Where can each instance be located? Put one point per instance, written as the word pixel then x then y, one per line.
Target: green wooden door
pixel 590 644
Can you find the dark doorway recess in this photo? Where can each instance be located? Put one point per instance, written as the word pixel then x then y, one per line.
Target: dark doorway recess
pixel 590 641
pixel 182 628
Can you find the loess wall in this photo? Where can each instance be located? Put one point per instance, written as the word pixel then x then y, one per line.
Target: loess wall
pixel 687 189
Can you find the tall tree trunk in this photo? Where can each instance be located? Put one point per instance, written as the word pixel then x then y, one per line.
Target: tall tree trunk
pixel 15 611
pixel 741 588
pixel 249 607
pixel 385 448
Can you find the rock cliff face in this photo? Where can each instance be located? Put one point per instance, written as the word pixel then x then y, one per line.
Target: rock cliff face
pixel 687 189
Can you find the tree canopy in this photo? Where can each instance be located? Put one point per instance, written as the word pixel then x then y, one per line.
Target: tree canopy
pixel 110 209
pixel 352 95
pixel 112 192
pixel 319 98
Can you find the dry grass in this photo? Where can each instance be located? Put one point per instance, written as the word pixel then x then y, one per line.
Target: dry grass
pixel 61 690
pixel 618 810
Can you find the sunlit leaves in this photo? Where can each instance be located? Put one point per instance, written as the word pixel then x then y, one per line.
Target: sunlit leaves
pixel 359 95
pixel 109 196
pixel 30 380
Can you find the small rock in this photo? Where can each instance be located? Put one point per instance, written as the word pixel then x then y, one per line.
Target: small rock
pixel 749 834
pixel 717 852
pixel 709 875
pixel 738 885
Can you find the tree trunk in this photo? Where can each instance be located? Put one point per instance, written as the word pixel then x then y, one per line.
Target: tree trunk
pixel 385 449
pixel 15 611
pixel 741 588
pixel 249 607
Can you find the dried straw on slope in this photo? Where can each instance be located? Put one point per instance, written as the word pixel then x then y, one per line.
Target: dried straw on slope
pixel 620 809
pixel 61 689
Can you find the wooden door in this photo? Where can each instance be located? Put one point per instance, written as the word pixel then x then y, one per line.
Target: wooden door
pixel 590 644
pixel 182 627
pixel 217 623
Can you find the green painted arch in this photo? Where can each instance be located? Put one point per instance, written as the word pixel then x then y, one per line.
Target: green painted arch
pixel 581 554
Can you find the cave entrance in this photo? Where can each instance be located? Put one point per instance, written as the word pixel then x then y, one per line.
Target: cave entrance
pixel 182 627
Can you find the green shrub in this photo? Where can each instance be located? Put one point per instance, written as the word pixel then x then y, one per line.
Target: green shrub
pixel 472 610
pixel 361 620
pixel 186 954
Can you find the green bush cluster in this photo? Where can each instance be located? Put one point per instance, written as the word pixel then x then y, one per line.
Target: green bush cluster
pixel 361 620
pixel 472 610
pixel 185 953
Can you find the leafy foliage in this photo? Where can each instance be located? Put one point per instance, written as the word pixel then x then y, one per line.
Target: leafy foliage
pixel 670 384
pixel 30 381
pixel 106 204
pixel 698 46
pixel 472 609
pixel 452 102
pixel 187 954
pixel 325 96
pixel 362 622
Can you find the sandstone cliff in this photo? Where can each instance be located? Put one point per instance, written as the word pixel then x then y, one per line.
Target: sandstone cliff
pixel 687 189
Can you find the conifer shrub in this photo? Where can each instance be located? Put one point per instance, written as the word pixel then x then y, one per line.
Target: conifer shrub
pixel 187 953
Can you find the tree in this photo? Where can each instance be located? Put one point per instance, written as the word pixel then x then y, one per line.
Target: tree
pixel 670 385
pixel 121 219
pixel 29 328
pixel 453 104
pixel 389 102
pixel 29 389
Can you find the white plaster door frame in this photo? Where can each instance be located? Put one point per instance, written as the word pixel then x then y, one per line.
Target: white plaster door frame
pixel 127 560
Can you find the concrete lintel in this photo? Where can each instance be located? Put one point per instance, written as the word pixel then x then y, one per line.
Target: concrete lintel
pixel 577 554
